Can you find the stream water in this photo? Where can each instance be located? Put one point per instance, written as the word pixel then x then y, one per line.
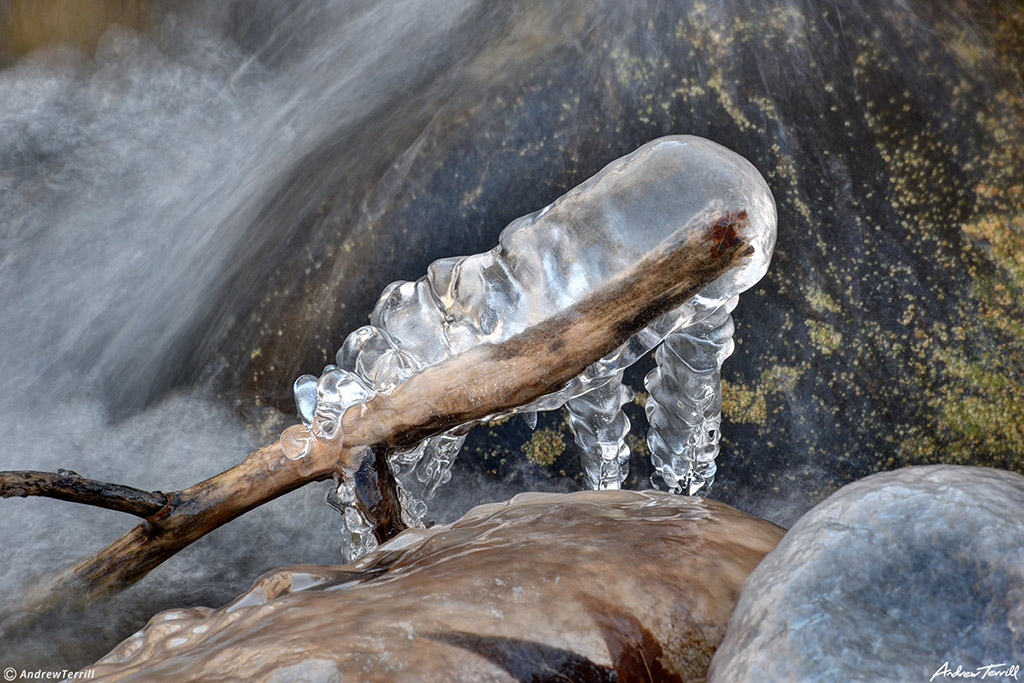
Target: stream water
pixel 150 177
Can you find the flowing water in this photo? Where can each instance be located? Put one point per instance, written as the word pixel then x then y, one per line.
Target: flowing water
pixel 132 175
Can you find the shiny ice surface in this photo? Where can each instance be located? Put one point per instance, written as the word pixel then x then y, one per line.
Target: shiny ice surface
pixel 531 589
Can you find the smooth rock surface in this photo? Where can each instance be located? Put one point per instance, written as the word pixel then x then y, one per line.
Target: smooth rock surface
pixel 585 586
pixel 889 579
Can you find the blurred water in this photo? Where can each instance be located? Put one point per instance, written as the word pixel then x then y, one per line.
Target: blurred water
pixel 130 182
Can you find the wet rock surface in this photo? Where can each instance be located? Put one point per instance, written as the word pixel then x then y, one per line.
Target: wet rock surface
pixel 891 578
pixel 585 586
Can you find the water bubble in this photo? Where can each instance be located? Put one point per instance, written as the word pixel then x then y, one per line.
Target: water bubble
pixel 296 442
pixel 305 397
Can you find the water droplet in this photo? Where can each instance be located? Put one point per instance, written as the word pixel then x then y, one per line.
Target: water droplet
pixel 305 397
pixel 296 442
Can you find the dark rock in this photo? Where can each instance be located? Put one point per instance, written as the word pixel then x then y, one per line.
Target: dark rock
pixel 891 578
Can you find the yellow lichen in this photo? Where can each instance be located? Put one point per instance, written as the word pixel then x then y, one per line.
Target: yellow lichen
pixel 781 377
pixel 544 447
pixel 637 445
pixel 742 403
pixel 824 337
pixel 821 302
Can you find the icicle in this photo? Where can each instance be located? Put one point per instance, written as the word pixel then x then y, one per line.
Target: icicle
pixel 600 429
pixel 685 404
pixel 357 537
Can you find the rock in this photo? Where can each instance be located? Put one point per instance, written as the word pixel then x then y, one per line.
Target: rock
pixel 892 578
pixel 588 586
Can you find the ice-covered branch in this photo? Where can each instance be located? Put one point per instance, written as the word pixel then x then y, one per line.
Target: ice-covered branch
pixel 544 264
pixel 485 380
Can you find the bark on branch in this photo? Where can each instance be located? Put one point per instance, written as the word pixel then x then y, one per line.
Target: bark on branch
pixel 73 487
pixel 486 380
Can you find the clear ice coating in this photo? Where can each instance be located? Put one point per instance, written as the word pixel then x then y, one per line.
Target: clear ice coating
pixel 357 538
pixel 545 262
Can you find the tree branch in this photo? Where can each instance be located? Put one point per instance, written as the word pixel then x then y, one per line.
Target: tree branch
pixel 486 380
pixel 71 486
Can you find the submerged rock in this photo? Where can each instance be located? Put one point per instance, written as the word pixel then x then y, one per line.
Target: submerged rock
pixel 895 577
pixel 596 585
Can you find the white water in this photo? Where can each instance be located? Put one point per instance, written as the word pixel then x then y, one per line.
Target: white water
pixel 130 181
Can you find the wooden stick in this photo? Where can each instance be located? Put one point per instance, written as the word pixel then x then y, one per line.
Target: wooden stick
pixel 377 493
pixel 488 379
pixel 73 487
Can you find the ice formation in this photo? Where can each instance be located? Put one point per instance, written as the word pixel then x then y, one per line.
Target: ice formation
pixel 545 262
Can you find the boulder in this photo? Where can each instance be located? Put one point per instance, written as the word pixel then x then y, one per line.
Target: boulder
pixel 609 585
pixel 908 575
